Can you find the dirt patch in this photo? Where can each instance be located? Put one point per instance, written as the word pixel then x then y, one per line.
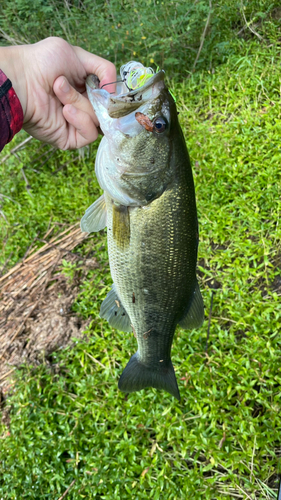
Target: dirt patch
pixel 276 14
pixel 35 304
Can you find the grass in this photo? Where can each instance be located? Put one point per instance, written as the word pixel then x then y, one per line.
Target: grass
pixel 70 425
pixel 167 34
pixel 39 187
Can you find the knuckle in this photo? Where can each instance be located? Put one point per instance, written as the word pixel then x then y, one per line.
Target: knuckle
pixel 74 96
pixel 111 67
pixel 56 40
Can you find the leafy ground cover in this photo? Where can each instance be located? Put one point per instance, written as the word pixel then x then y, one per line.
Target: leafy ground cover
pixel 69 425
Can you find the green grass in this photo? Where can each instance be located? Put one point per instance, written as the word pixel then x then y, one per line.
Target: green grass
pixel 56 191
pixel 222 441
pixel 166 33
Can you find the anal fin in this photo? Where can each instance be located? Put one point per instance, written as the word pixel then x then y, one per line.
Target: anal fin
pixel 194 315
pixel 113 311
pixel 95 217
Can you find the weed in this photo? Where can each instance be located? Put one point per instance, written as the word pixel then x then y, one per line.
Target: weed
pixel 222 440
pixel 168 34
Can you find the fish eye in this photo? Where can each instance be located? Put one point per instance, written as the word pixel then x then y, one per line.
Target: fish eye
pixel 160 124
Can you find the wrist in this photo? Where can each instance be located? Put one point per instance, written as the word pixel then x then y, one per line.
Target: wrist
pixel 11 63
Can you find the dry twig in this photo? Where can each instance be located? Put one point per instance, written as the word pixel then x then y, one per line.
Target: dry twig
pixel 16 148
pixel 204 34
pixel 248 25
pixel 67 490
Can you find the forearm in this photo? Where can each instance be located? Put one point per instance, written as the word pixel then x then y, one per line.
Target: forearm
pixel 12 64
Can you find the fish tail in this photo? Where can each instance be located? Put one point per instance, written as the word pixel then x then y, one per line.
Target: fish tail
pixel 137 376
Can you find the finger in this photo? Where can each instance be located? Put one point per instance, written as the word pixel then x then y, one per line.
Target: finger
pixel 96 65
pixel 68 95
pixel 85 129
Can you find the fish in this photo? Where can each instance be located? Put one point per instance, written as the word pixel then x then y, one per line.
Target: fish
pixel 149 208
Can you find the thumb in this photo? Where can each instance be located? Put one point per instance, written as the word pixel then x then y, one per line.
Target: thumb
pixel 105 70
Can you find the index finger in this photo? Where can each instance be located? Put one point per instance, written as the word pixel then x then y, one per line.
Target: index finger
pixel 105 70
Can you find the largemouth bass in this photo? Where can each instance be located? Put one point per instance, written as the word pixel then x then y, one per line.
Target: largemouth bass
pixel 149 209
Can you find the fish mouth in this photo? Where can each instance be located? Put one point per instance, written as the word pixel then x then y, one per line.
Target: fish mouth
pixel 133 94
pixel 122 103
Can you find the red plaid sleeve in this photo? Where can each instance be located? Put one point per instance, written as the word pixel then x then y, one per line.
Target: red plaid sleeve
pixel 11 114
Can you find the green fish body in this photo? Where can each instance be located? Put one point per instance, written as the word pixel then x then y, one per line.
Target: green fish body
pixel 149 209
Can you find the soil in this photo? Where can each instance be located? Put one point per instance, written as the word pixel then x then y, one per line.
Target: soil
pixel 36 317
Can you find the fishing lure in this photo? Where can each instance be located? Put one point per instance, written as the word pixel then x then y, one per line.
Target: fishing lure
pixel 134 75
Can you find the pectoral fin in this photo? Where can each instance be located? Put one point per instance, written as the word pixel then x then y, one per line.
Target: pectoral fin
pixel 194 315
pixel 113 311
pixel 95 217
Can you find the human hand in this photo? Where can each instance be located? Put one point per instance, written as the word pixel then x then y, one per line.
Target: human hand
pixel 49 79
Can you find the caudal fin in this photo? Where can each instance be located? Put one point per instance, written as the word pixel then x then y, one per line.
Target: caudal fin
pixel 137 376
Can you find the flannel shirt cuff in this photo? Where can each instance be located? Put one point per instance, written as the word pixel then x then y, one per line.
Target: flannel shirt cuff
pixel 11 114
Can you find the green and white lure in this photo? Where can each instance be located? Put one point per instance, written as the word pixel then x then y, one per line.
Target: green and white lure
pixel 134 75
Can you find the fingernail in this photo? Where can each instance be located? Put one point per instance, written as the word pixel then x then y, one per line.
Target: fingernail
pixel 65 86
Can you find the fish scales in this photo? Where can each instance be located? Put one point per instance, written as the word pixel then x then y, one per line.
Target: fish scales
pixel 157 267
pixel 152 248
